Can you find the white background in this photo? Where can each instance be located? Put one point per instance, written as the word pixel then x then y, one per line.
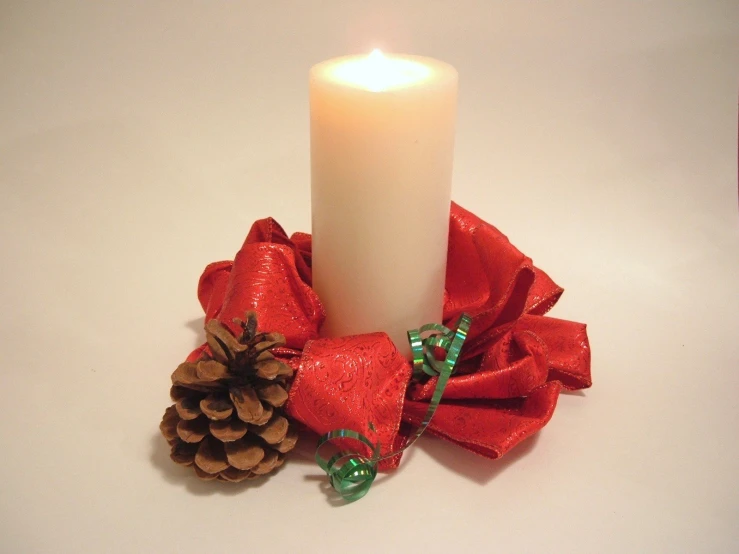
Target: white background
pixel 139 140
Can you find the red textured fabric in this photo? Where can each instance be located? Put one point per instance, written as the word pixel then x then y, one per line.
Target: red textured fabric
pixel 489 428
pixel 359 381
pixel 270 275
pixel 512 367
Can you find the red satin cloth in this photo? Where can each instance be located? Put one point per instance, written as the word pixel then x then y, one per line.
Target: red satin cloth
pixel 513 366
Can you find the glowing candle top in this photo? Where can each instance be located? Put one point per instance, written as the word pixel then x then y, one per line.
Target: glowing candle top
pixel 378 72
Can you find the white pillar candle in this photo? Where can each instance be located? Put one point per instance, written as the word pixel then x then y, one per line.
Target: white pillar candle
pixel 382 144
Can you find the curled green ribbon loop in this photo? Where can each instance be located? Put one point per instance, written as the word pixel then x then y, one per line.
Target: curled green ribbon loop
pixel 351 474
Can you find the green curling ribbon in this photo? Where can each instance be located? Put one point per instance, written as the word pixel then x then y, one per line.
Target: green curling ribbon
pixel 351 474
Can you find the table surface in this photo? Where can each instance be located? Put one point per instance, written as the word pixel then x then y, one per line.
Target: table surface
pixel 138 142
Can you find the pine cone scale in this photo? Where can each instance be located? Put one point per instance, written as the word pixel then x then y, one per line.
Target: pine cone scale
pixel 228 430
pixel 234 475
pixel 211 456
pixel 188 408
pixel 268 369
pixel 267 413
pixel 168 426
pixel 184 453
pixel 243 455
pixel 273 394
pixel 216 407
pixel 288 443
pixel 272 432
pixel 222 343
pixel 268 463
pixel 204 474
pixel 211 370
pixel 185 374
pixel 192 430
pixel 247 404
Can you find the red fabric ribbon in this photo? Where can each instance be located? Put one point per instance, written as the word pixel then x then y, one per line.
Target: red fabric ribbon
pixel 513 365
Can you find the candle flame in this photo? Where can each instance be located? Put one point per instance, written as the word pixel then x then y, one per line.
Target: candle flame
pixel 378 72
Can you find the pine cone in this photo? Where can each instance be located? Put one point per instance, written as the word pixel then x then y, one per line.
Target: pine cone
pixel 227 420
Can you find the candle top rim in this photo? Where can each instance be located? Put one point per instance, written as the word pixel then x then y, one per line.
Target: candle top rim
pixel 379 72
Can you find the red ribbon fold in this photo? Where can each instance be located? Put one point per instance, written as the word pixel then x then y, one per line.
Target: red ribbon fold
pixel 512 368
